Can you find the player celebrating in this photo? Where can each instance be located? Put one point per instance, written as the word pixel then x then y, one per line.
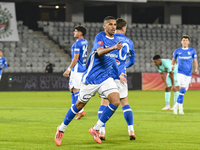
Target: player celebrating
pixel 97 79
pixel 78 65
pixel 185 56
pixel 3 63
pixel 121 56
pixel 171 82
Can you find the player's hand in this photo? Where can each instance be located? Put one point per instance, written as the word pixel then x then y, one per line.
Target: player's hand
pixel 173 67
pixel 173 88
pixel 1 67
pixel 122 78
pixel 118 45
pixel 197 71
pixel 66 73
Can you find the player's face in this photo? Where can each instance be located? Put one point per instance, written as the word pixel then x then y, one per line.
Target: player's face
pixel 185 42
pixel 77 33
pixel 1 53
pixel 110 27
pixel 156 62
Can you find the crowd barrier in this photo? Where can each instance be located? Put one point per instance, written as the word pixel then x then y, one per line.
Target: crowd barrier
pixel 56 82
pixel 50 82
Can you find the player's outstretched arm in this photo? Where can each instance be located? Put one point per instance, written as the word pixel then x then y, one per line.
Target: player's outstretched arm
pixel 101 51
pixel 196 66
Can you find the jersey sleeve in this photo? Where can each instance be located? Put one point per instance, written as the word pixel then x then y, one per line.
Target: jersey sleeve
pixel 159 70
pixel 194 56
pixel 77 47
pixel 175 54
pixel 98 42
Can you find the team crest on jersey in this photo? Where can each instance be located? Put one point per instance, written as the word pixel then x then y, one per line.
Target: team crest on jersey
pixel 118 62
pixel 100 43
pixel 189 53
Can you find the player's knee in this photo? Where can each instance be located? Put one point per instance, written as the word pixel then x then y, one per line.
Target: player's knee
pixel 79 105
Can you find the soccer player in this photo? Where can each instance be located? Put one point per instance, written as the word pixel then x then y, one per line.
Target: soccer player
pixel 171 82
pixel 97 79
pixel 3 63
pixel 185 56
pixel 121 57
pixel 78 65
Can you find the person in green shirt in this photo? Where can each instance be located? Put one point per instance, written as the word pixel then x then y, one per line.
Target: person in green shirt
pixel 171 82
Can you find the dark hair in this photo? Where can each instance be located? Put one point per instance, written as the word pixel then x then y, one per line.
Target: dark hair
pixel 156 57
pixel 81 29
pixel 120 23
pixel 108 18
pixel 185 37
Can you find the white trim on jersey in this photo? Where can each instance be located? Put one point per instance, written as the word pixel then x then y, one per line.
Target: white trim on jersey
pixel 90 66
pixel 77 49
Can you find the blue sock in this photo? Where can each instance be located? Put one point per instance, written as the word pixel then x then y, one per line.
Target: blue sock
pixel 72 97
pixel 108 112
pixel 128 114
pixel 70 114
pixel 76 97
pixel 181 96
pixel 101 108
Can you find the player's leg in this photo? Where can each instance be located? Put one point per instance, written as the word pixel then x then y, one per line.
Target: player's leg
pixel 75 84
pixel 167 93
pixel 176 90
pixel 184 84
pixel 86 92
pixel 109 89
pixel 68 118
pixel 102 131
pixel 128 116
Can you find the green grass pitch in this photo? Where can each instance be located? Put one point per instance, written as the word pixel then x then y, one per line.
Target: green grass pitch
pixel 28 121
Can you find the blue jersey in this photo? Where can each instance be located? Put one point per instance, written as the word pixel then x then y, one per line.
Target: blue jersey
pixel 80 47
pixel 185 59
pixel 3 63
pixel 123 54
pixel 98 67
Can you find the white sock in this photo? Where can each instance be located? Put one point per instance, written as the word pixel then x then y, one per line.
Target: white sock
pixel 181 106
pixel 62 127
pixel 98 125
pixel 102 129
pixel 130 128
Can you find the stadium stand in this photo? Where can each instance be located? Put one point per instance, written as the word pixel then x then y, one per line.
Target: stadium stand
pixel 32 52
pixel 35 48
pixel 148 39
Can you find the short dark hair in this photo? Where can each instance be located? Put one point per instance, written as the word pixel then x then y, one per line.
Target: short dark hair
pixel 120 23
pixel 82 29
pixel 108 18
pixel 185 37
pixel 156 57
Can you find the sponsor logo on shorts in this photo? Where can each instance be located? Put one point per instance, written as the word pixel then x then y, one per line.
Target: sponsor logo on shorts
pixel 118 62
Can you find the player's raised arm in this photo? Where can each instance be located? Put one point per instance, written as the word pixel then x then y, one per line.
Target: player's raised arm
pixel 101 50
